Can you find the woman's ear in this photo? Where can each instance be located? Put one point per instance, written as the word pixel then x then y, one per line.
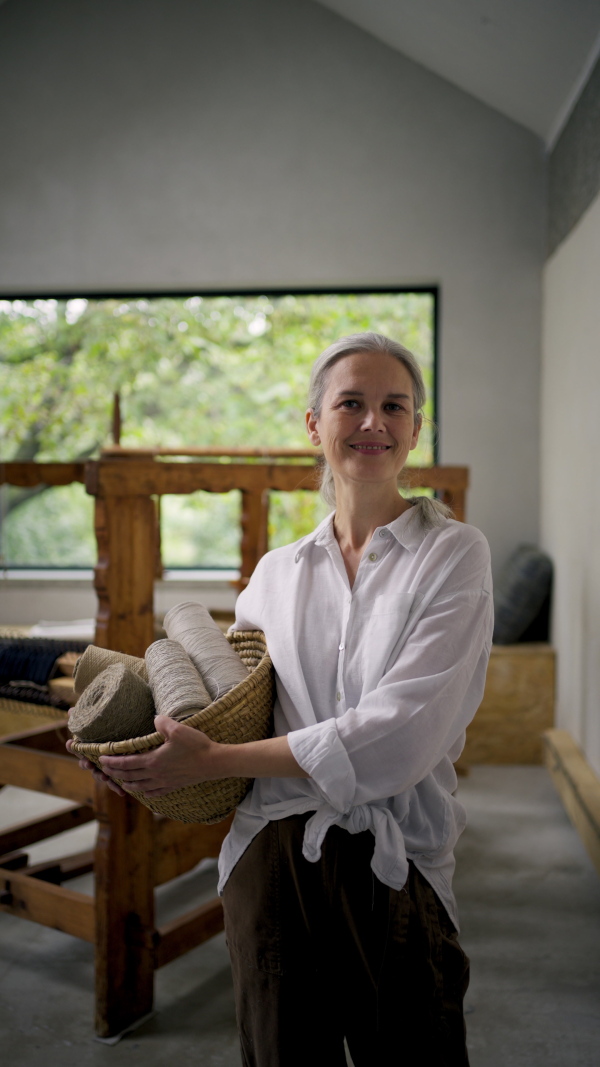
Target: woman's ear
pixel 416 431
pixel 311 428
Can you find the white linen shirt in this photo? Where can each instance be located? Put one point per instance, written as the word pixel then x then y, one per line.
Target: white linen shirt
pixel 375 685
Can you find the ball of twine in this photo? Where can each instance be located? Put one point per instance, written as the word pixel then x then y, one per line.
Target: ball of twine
pixel 95 660
pixel 115 706
pixel 209 650
pixel 177 688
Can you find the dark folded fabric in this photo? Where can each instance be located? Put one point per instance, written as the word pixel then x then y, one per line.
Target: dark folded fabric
pixel 50 644
pixel 32 659
pixel 520 592
pixel 29 695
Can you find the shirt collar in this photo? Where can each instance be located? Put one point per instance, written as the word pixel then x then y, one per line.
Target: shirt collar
pixel 319 536
pixel 407 529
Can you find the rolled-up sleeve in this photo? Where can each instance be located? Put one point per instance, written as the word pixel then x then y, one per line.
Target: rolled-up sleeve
pixel 399 731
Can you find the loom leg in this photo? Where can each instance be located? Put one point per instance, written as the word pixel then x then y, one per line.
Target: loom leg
pixel 124 912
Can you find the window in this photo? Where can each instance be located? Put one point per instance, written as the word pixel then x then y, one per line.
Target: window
pixel 224 371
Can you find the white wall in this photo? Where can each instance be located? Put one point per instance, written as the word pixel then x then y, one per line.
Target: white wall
pixel 570 511
pixel 26 600
pixel 186 144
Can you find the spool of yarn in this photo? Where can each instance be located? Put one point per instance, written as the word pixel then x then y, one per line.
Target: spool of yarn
pixel 95 660
pixel 177 688
pixel 115 706
pixel 209 650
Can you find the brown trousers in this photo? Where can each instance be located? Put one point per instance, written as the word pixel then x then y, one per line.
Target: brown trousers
pixel 324 951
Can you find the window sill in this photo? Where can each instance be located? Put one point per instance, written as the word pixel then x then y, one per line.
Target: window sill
pixel 84 576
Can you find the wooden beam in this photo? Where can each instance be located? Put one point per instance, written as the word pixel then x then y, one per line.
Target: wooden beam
pixel 454 478
pixel 189 477
pixel 51 737
pixel 126 531
pixel 28 833
pixel 46 772
pixel 14 861
pixel 63 869
pixel 147 477
pixel 50 905
pixel 116 421
pixel 124 912
pixel 455 499
pixel 179 846
pixel 578 787
pixel 184 933
pixel 120 452
pixel 32 474
pixel 254 523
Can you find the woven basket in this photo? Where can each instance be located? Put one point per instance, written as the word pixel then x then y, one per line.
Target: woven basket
pixel 242 714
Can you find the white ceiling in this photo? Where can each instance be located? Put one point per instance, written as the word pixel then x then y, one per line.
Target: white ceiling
pixel 529 59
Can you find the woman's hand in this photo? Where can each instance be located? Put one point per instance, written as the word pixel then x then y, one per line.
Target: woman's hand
pixel 189 756
pixel 183 759
pixel 86 765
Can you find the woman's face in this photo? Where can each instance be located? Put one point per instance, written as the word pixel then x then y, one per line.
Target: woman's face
pixel 367 422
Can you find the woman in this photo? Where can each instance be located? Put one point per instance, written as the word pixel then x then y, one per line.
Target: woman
pixel 336 874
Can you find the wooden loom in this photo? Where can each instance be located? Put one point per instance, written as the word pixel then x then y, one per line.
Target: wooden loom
pixel 136 850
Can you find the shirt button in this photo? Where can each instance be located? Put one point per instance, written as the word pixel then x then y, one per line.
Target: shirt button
pixel 297 556
pixel 372 556
pixel 383 533
pixel 341 648
pixel 338 696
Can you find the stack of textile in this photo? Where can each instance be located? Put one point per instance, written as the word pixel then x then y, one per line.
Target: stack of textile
pixel 35 673
pixel 221 686
pixel 120 695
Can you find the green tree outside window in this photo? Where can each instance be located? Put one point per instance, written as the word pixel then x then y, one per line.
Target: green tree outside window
pixel 224 371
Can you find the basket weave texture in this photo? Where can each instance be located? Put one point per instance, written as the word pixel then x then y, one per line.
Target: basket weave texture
pixel 242 714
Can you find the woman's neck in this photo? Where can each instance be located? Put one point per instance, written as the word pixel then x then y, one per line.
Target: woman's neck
pixel 357 516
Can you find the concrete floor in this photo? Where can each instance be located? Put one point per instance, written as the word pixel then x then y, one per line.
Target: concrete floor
pixel 530 905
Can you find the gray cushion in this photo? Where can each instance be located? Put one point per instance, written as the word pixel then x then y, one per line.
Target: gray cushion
pixel 519 592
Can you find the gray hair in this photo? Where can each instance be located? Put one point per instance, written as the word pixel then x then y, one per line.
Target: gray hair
pixel 431 512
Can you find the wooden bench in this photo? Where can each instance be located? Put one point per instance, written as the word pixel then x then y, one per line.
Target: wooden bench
pixel 517 706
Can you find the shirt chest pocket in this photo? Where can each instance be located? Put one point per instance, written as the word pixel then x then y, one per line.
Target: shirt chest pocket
pixel 384 625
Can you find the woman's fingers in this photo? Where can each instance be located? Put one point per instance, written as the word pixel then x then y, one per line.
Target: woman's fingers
pixel 97 774
pixel 116 788
pixel 185 757
pixel 154 792
pixel 127 768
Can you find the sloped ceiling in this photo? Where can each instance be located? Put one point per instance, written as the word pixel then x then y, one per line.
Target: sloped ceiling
pixel 529 59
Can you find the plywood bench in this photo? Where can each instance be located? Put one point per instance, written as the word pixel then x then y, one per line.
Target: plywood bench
pixel 517 706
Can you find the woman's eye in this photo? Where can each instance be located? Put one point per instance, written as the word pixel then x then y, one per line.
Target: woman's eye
pixel 349 403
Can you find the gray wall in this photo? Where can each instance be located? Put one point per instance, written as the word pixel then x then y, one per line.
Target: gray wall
pixel 574 164
pixel 183 144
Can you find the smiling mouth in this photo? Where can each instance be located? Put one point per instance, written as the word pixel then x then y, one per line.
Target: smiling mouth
pixel 372 449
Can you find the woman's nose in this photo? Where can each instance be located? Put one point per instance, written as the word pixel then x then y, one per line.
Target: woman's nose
pixel 373 420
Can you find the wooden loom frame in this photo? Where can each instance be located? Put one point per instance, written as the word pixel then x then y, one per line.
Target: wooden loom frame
pixel 136 850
